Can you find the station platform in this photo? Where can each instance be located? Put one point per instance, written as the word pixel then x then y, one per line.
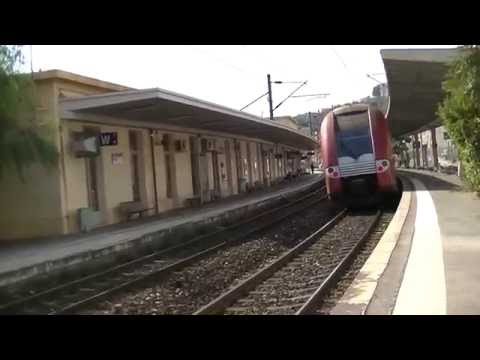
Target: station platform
pixel 22 261
pixel 427 261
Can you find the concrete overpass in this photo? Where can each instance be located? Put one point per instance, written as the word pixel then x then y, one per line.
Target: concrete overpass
pixel 415 79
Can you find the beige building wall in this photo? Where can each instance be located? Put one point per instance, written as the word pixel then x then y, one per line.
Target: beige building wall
pixel 48 202
pixel 254 161
pixel 233 166
pixel 75 178
pixel 34 206
pixel 275 169
pixel 280 162
pixel 211 183
pixel 244 160
pixel 115 184
pixel 114 180
pixel 260 163
pixel 183 172
pixel 163 202
pixel 117 180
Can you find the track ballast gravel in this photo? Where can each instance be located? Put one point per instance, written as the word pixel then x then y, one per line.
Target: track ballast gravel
pixel 185 291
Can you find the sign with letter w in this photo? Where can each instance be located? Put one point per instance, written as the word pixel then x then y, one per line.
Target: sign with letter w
pixel 108 139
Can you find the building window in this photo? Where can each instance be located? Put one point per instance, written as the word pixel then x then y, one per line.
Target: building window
pixel 135 163
pixel 203 146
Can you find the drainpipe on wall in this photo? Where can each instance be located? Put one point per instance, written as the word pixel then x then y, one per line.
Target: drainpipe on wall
pixel 152 147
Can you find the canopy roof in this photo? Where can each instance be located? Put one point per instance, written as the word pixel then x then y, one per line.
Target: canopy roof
pixel 162 106
pixel 415 79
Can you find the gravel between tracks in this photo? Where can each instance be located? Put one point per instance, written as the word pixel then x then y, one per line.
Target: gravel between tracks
pixel 277 296
pixel 185 291
pixel 345 281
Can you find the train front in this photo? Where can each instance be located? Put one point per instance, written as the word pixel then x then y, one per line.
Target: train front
pixel 357 156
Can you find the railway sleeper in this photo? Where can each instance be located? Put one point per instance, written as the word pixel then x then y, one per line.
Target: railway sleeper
pixel 293 307
pixel 87 289
pixel 237 309
pixel 281 298
pixel 291 291
pixel 293 287
pixel 246 301
pixel 296 298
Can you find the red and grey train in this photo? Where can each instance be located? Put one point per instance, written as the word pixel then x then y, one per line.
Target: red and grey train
pixel 357 155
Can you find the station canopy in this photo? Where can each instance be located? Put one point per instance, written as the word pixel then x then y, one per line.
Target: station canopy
pixel 415 79
pixel 165 107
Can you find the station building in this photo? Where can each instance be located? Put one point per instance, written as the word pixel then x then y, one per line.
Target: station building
pixel 123 150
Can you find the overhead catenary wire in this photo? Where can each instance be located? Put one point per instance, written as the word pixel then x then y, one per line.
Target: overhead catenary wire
pixel 298 96
pixel 254 101
pixel 339 57
pixel 353 77
pixel 293 92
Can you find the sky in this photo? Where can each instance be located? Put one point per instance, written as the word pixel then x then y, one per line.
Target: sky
pixel 229 75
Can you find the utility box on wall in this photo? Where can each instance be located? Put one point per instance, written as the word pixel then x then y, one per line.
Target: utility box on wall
pixel 89 218
pixel 84 145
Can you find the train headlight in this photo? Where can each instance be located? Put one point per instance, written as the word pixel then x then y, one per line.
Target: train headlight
pixel 382 166
pixel 332 172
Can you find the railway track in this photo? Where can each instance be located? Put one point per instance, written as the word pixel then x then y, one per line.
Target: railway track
pixel 70 296
pixel 297 281
pixel 337 291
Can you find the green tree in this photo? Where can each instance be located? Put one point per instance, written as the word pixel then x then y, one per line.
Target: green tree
pixel 460 110
pixel 22 141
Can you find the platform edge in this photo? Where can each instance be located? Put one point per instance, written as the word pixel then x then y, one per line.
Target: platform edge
pixel 357 297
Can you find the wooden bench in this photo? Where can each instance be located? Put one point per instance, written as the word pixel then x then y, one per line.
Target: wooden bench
pixel 131 208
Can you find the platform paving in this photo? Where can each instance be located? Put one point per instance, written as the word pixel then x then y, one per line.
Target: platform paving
pixel 434 269
pixel 445 274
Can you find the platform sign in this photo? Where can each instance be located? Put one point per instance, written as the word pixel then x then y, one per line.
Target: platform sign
pixel 117 158
pixel 108 138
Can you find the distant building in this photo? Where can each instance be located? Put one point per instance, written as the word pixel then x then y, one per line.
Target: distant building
pixel 310 122
pixel 380 90
pixel 447 152
pixel 379 97
pixel 287 121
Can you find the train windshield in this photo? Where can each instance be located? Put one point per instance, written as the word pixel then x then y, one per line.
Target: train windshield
pixel 353 135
